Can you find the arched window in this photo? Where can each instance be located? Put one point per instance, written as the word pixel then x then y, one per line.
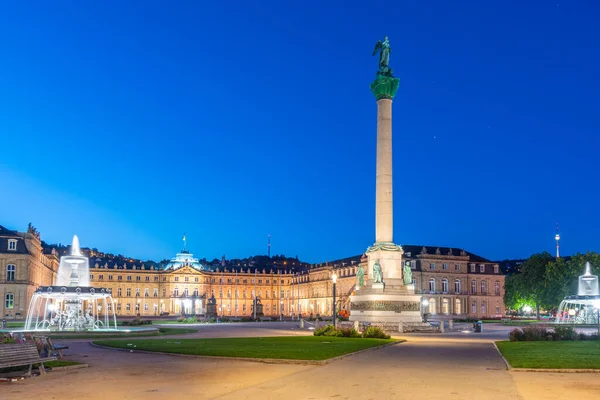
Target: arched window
pixel 457 307
pixel 482 287
pixel 474 308
pixel 432 308
pixel 497 285
pixel 483 308
pixel 432 285
pixel 10 273
pixel 445 306
pixel 176 292
pixel 473 286
pixel 457 286
pixel 445 285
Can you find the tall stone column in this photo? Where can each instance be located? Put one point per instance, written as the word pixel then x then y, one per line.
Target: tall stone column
pixel 384 206
pixel 384 88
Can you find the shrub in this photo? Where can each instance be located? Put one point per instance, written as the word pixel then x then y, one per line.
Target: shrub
pixel 375 332
pixel 189 320
pixel 137 321
pixel 533 333
pixel 564 333
pixel 348 332
pixel 516 335
pixel 327 330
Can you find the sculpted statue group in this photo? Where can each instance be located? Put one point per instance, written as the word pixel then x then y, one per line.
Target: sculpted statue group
pixel 378 274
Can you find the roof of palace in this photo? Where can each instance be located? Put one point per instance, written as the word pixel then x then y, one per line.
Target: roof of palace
pixel 185 259
pixel 5 235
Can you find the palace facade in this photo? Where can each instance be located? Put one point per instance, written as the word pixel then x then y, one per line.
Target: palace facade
pixel 454 283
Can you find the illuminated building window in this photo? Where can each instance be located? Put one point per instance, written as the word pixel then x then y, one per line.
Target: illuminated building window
pixel 12 245
pixel 9 300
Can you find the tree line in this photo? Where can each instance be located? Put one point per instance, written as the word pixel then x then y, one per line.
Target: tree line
pixel 543 280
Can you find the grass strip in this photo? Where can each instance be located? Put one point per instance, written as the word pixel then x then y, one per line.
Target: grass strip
pixel 567 354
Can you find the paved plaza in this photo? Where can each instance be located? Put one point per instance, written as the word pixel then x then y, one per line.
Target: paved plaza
pixel 450 366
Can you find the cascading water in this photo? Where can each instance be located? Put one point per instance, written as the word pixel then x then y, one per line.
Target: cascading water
pixel 583 308
pixel 71 305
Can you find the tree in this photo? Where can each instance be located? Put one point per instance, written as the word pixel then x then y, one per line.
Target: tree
pixel 529 286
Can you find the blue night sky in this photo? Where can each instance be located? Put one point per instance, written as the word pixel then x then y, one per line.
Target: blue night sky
pixel 130 123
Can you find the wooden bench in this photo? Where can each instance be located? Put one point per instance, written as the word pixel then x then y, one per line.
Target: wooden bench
pixel 263 319
pixel 16 355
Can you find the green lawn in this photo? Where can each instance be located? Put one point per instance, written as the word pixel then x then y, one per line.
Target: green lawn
pixel 161 332
pixel 556 354
pixel 60 363
pixel 289 347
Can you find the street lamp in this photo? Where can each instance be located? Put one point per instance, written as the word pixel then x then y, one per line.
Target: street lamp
pixel 334 278
pixel 425 304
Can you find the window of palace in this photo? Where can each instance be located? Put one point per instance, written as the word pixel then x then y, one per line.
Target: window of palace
pixel 138 278
pixel 445 285
pixel 457 267
pixel 432 285
pixel 164 292
pixel 128 292
pixel 497 306
pixel 244 294
pixel 10 272
pixel 482 268
pixel 221 293
pixel 9 300
pixel 473 268
pixel 119 278
pixel 128 307
pixel 432 308
pixel 137 307
pixel 146 292
pixel 496 269
pixel 164 278
pixel 186 292
pixel 267 281
pixel 145 306
pixel 147 279
pixel 186 279
pixel 457 285
pixel 457 307
pixel 482 287
pixel 474 307
pixel 196 279
pixel 128 277
pixel 176 279
pixel 444 266
pixel 445 306
pixel 156 279
pixel 432 266
pixel 118 306
pixel 483 309
pixel 260 281
pixel 12 244
pixel 196 292
pixel 101 277
pixel 253 280
pixel 213 280
pixel 473 286
pixel 137 292
pixel 119 292
pixel 497 288
pixel 176 292
pixel 110 277
pixel 244 308
pixel 414 282
pixel 229 293
pixel 155 292
pixel 267 294
pixel 155 308
pixel 91 277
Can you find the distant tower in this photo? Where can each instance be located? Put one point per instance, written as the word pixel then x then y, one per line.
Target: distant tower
pixel 269 247
pixel 557 238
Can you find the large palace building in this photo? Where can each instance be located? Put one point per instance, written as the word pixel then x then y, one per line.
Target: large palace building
pixel 455 283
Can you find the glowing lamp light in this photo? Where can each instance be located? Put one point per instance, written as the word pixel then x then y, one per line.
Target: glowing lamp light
pixel 425 302
pixel 572 312
pixel 51 307
pixel 527 309
pixel 334 278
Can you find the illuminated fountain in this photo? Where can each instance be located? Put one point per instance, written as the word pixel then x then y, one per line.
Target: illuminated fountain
pixel 71 305
pixel 584 308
